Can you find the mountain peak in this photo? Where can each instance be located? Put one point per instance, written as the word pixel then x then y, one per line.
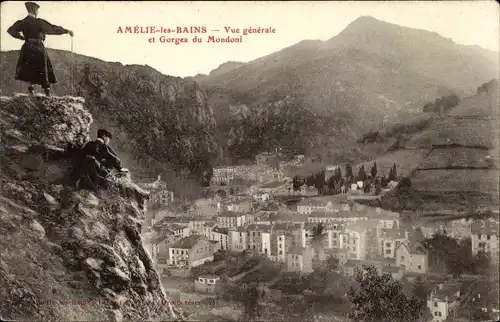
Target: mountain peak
pixel 365 23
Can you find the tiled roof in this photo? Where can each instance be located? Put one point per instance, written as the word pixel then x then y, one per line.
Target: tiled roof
pixel 187 242
pixel 297 250
pixel 418 249
pixel 219 230
pixel 271 185
pixel 209 276
pixel 240 202
pixel 159 239
pixel 174 227
pixel 257 227
pixel 313 202
pixel 231 214
pixel 394 233
pixel 484 228
pixel 209 224
pixel 448 290
pixel 361 225
pixel 286 226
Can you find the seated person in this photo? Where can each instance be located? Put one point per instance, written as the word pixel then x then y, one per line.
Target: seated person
pixel 99 160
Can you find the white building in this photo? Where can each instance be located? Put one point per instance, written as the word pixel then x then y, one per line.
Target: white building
pixel 443 300
pixel 261 196
pixel 485 237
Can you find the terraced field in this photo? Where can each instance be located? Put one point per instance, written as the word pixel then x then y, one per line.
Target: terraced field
pixel 485 181
pixel 460 158
pixel 455 161
pixel 459 131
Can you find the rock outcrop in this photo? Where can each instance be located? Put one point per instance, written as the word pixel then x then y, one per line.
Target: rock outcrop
pixel 68 254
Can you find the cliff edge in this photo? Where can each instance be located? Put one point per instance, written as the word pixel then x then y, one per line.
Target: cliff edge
pixel 68 254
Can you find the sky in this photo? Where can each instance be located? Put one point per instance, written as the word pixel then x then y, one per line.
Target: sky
pixel 96 24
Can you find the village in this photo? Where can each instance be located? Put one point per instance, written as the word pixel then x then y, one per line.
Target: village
pixel 260 224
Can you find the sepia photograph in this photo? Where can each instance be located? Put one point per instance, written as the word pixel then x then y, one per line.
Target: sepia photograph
pixel 323 161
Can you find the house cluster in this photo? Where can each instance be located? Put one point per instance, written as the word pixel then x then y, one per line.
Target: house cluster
pixel 444 300
pixel 483 233
pixel 267 168
pixel 159 193
pixel 352 233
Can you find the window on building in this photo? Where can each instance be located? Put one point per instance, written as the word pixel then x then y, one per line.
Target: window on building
pixel 387 244
pixel 402 258
pixel 388 251
pixel 488 237
pixel 281 252
pixel 253 233
pixel 435 304
pixel 439 313
pixel 419 267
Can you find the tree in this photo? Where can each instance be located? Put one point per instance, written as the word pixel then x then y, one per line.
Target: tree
pixel 393 175
pixel 296 183
pixel 481 262
pixel 361 173
pixel 380 298
pixel 348 172
pixel 332 263
pixel 420 289
pixel 318 237
pixel 373 171
pixel 405 183
pixel 251 302
pixel 417 236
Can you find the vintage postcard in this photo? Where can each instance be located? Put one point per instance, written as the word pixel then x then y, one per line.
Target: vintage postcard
pixel 249 161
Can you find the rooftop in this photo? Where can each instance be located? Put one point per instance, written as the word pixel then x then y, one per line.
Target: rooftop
pixel 362 225
pixel 314 202
pixel 448 290
pixel 484 228
pixel 271 185
pixel 219 230
pixel 286 226
pixel 188 242
pixel 209 276
pixel 394 233
pixel 231 214
pixel 257 227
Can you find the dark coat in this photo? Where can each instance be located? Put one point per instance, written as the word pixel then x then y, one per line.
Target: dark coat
pixel 103 153
pixel 34 65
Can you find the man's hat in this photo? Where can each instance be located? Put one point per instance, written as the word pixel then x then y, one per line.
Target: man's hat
pixel 31 6
pixel 102 132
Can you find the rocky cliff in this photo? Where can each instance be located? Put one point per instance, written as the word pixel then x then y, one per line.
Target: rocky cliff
pixel 158 121
pixel 68 254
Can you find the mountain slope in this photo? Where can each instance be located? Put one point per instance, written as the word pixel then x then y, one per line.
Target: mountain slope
pixel 453 163
pixel 156 119
pixel 372 74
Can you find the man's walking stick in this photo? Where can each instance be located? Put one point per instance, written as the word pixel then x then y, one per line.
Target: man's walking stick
pixel 72 69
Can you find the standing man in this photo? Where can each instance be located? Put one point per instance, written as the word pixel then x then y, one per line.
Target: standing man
pixel 34 66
